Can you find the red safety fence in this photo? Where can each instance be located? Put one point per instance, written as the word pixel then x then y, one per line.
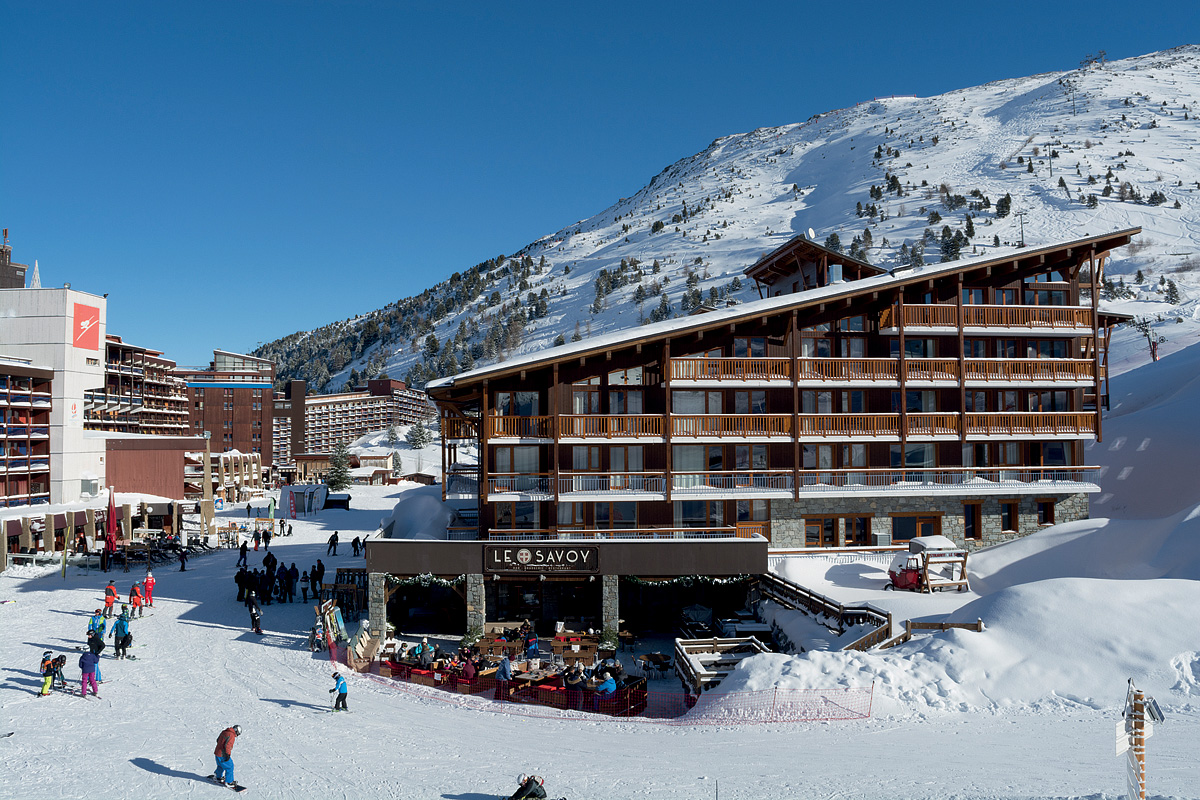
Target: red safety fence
pixel 632 701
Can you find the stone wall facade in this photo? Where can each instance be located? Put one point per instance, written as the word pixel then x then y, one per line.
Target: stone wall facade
pixel 476 602
pixel 377 603
pixel 610 602
pixel 787 516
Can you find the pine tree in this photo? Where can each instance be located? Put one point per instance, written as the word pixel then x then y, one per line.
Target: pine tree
pixel 339 468
pixel 1172 293
pixel 833 242
pixel 559 340
pixel 418 436
pixel 392 438
pixel 1139 278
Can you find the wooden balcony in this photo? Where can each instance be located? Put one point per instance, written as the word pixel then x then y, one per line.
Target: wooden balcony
pixel 706 370
pixel 613 426
pixel 1052 424
pixel 616 482
pixel 731 482
pixel 607 534
pixel 949 480
pixel 731 426
pixel 931 370
pixel 848 426
pixel 459 428
pixel 932 425
pixel 524 483
pixel 1029 371
pixel 848 370
pixel 1040 319
pixel 520 428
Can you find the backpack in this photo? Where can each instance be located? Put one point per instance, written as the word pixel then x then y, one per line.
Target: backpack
pixel 47 666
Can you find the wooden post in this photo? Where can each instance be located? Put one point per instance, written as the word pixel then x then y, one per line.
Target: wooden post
pixel 962 366
pixel 670 476
pixel 903 374
pixel 555 397
pixel 26 542
pixel 1096 340
pixel 795 337
pixel 1137 753
pixel 48 534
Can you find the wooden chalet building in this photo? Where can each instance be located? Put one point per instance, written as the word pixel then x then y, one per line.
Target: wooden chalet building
pixel 850 406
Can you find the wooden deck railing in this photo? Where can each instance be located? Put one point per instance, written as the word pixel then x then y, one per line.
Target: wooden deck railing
pixel 731 425
pixel 1052 423
pixel 682 534
pixel 793 595
pixel 595 426
pixel 932 369
pixel 951 478
pixel 521 427
pixel 1030 370
pixel 731 369
pixel 928 424
pixel 459 428
pixel 976 316
pixel 848 425
pixel 848 369
pixel 569 482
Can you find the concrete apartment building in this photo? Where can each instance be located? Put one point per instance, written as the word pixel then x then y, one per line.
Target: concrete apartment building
pixel 26 393
pixel 140 393
pixel 232 398
pixel 331 419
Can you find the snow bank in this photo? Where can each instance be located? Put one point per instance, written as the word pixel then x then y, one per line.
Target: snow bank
pixel 420 514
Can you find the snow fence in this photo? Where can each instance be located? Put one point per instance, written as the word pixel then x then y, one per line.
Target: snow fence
pixel 632 700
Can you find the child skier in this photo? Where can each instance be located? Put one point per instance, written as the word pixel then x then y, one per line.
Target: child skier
pixel 149 584
pixel 255 613
pixel 87 665
pixel 47 673
pixel 122 638
pixel 96 645
pixel 339 686
pixel 97 623
pixel 135 600
pixel 59 678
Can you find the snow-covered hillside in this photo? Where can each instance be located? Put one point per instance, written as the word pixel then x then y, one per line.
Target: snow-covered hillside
pixel 1048 141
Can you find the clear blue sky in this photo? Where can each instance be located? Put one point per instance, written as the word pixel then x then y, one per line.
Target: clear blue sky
pixel 267 167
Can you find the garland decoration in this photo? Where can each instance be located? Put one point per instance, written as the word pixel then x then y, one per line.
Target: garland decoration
pixel 687 581
pixel 425 580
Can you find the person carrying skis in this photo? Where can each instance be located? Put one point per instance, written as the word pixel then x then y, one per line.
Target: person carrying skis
pixel 529 786
pixel 149 584
pixel 121 636
pixel 135 600
pixel 255 613
pixel 339 686
pixel 110 597
pixel 87 666
pixel 47 673
pixel 224 754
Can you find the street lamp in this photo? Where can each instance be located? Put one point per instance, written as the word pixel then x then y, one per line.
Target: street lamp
pixel 208 495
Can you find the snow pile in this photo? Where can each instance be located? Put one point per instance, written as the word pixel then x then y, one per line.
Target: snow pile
pixel 420 514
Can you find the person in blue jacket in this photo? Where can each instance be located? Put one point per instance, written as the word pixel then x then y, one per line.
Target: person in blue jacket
pixel 98 623
pixel 503 676
pixel 339 686
pixel 604 690
pixel 121 636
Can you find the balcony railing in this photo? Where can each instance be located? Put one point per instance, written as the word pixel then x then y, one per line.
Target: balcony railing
pixel 731 369
pixel 521 427
pixel 518 483
pixel 680 534
pixel 978 316
pixel 1051 423
pixel 587 482
pixel 459 428
pixel 613 426
pixel 1029 370
pixel 931 369
pixel 936 424
pixel 953 479
pixel 848 369
pixel 734 426
pixel 731 481
pixel 848 425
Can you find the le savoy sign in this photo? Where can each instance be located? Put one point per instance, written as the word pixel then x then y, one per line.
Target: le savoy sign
pixel 540 558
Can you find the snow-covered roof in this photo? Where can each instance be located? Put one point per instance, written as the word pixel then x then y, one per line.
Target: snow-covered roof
pixel 896 277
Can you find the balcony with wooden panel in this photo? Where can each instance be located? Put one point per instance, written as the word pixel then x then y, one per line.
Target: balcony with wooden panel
pixel 584 486
pixel 539 429
pixel 625 534
pixel 993 372
pixel 459 428
pixel 1017 320
pixel 732 484
pixel 610 427
pixel 1031 425
pixel 848 371
pixel 949 481
pixel 742 427
pixel 519 486
pixel 943 372
pixel 687 372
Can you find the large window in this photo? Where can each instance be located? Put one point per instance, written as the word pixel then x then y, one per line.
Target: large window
pixel 750 402
pixel 570 515
pixel 615 515
pixel 519 459
pixel 585 458
pixel 912 456
pixel 1056 454
pixel 517 404
pixel 973 296
pixel 695 402
pixel 753 510
pixel 975 348
pixel 908 526
pixel 750 457
pixel 625 401
pixel 626 377
pixel 814 402
pixel 626 459
pixel 820 531
pixel 973 520
pixel 1009 515
pixel 817 456
pixel 1047 348
pixel 915 401
pixel 699 513
pixel 1049 401
pixel 858 531
pixel 585 397
pixel 750 347
pixel 854 401
pixel 913 348
pixel 520 516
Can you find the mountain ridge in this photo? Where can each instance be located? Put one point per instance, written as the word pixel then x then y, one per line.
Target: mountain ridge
pixel 1101 147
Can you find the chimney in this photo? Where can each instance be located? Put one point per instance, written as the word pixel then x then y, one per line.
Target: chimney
pixel 835 273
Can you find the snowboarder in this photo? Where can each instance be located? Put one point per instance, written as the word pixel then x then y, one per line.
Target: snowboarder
pixel 122 638
pixel 339 686
pixel 135 600
pixel 149 584
pixel 224 754
pixel 356 545
pixel 529 786
pixel 331 549
pixel 87 665
pixel 255 614
pixel 110 597
pixel 242 557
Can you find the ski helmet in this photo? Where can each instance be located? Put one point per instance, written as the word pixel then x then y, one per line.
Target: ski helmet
pixel 522 778
pixel 98 611
pixel 149 574
pixel 237 730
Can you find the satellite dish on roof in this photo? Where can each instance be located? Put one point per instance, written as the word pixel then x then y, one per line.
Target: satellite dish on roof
pixel 812 235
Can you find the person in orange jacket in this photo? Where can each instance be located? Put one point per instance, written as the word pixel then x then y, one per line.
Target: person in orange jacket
pixel 149 584
pixel 224 752
pixel 135 600
pixel 110 597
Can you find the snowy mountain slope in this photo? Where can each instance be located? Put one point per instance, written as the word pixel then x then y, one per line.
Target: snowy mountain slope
pixel 1131 121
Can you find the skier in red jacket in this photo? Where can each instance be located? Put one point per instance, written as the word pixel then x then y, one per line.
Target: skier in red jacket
pixel 110 597
pixel 149 584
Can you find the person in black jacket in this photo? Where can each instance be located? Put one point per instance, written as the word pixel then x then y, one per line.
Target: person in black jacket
pixel 331 549
pixel 240 580
pixel 255 614
pixel 293 579
pixel 530 787
pixel 242 554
